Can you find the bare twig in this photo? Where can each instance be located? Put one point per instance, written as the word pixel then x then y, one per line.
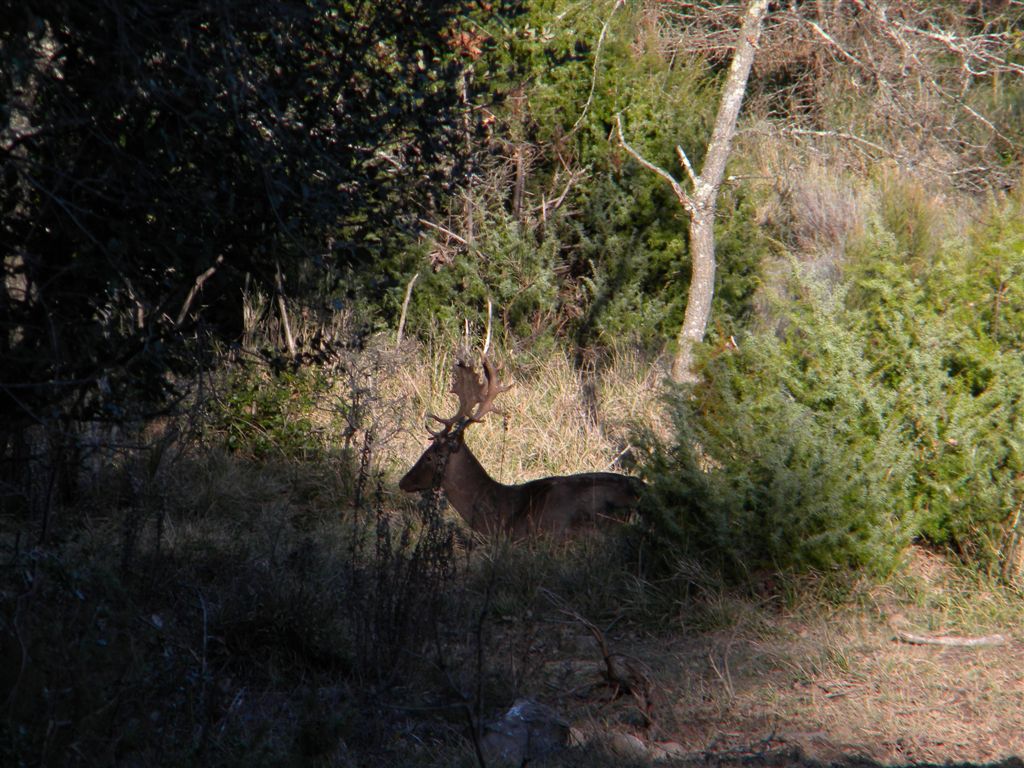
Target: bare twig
pixel 1012 543
pixel 685 161
pixel 968 49
pixel 839 135
pixel 680 193
pixel 618 456
pixel 487 337
pixel 593 73
pixel 194 291
pixel 289 340
pixel 444 230
pixel 835 44
pixel 623 674
pixel 405 308
pixel 573 176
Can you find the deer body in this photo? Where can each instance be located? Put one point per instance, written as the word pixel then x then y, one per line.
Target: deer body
pixel 557 506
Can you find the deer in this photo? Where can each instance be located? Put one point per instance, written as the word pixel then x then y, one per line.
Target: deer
pixel 558 506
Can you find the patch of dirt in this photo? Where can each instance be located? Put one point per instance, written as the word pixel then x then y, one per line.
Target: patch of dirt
pixel 821 685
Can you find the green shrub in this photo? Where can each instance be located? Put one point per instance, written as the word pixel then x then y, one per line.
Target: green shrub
pixel 507 265
pixel 945 333
pixel 887 409
pixel 263 412
pixel 782 458
pixel 598 250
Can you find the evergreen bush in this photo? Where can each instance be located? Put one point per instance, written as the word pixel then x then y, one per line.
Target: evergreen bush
pixel 596 248
pixel 944 330
pixel 263 413
pixel 782 458
pixel 863 416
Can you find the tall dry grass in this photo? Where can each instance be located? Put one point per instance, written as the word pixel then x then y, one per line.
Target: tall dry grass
pixel 556 419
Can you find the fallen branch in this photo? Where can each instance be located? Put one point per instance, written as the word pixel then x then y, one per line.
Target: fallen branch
pixel 947 640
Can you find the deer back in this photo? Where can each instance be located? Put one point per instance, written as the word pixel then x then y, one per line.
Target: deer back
pixel 564 505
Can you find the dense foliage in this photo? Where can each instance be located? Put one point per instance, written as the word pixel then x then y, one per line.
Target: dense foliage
pixel 150 149
pixel 942 329
pixel 783 456
pixel 870 411
pixel 558 227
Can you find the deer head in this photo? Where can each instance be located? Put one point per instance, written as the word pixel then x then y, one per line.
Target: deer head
pixel 476 400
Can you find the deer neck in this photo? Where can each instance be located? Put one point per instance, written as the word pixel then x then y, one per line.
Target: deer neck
pixel 485 504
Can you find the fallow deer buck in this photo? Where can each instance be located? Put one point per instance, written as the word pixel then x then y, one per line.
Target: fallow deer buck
pixel 557 506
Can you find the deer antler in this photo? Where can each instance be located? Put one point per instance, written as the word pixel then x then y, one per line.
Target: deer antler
pixel 472 393
pixel 492 390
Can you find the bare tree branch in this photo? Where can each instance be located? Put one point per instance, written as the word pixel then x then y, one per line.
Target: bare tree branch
pixel 405 308
pixel 593 73
pixel 700 204
pixel 444 230
pixel 194 291
pixel 680 193
pixel 685 162
pixel 834 44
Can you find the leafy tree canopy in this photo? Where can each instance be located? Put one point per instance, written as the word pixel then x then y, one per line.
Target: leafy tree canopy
pixel 149 145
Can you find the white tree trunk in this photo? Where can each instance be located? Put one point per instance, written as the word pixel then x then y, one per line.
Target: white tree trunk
pixel 702 291
pixel 703 199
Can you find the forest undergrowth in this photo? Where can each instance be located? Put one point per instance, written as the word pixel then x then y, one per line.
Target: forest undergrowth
pixel 248 586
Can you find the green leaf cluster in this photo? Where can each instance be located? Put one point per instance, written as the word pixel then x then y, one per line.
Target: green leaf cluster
pixel 782 458
pixel 507 266
pixel 945 333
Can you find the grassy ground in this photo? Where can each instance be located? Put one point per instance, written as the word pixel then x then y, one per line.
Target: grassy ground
pixel 798 680
pixel 285 604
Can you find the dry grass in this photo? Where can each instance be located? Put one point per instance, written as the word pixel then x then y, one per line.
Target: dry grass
pixel 734 676
pixel 555 421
